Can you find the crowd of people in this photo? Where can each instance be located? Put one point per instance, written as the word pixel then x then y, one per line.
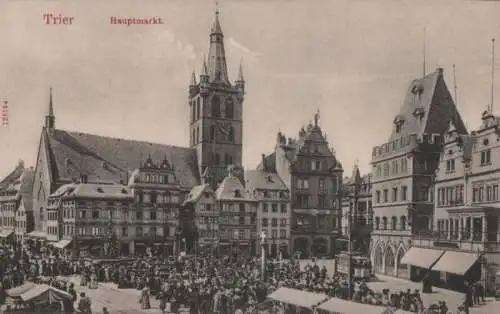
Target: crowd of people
pixel 203 284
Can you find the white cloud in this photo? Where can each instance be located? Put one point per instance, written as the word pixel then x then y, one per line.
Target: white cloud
pixel 241 47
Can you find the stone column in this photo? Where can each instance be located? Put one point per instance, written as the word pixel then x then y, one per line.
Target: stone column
pixel 484 234
pixel 460 227
pixel 471 220
pixel 450 227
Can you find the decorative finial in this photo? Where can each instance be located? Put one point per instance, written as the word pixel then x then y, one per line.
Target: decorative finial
pixel 316 118
pixel 216 7
pixel 356 162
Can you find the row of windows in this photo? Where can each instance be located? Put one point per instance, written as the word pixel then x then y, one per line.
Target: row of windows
pixel 155 178
pixel 156 198
pixel 274 222
pixel 52 230
pixel 217 159
pixel 238 220
pixel 231 207
pixel 303 184
pixel 7 207
pixel 8 221
pixel 274 208
pixel 394 168
pixel 235 234
pixel 139 215
pixel 304 201
pixel 450 195
pixel 274 234
pixel 479 195
pixel 270 194
pixel 395 225
pixel 215 135
pixel 384 195
pixel 206 220
pixel 485 160
pixel 320 221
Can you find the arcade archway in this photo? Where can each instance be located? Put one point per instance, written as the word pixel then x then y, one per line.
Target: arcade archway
pixel 378 260
pixel 389 261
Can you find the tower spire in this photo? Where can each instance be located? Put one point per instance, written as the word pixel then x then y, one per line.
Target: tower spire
pixel 240 73
pixel 193 79
pixel 217 67
pixel 50 119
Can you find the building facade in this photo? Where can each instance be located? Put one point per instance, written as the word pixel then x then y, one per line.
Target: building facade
pixel 404 170
pixel 238 217
pixel 273 210
pixel 313 174
pixel 16 218
pixel 466 217
pixel 357 207
pixel 206 213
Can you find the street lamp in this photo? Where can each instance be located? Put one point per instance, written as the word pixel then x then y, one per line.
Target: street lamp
pixel 263 254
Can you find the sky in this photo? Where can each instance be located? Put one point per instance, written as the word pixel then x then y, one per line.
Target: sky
pixel 352 60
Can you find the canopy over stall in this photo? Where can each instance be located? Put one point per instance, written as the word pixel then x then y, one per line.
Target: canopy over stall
pixel 18 291
pixel 455 262
pixel 297 297
pixel 339 306
pixel 43 294
pixel 420 257
pixel 62 244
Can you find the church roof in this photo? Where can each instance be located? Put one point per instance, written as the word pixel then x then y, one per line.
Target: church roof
pixel 92 190
pixel 427 109
pixel 261 180
pixel 110 160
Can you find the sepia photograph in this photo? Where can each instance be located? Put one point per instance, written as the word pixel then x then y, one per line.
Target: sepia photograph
pixel 250 156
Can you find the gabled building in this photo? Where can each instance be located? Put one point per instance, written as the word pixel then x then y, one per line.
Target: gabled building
pixel 404 170
pixel 206 212
pixel 238 217
pixel 310 170
pixel 357 206
pixel 273 210
pixel 16 216
pixel 466 219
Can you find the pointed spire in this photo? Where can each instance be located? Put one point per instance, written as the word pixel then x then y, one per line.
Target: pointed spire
pixel 217 67
pixel 316 118
pixel 193 79
pixel 240 73
pixel 424 52
pixel 51 105
pixel 50 119
pixel 216 29
pixel 204 70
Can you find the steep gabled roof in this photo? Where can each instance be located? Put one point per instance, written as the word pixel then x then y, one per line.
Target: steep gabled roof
pixel 261 180
pixel 196 192
pixel 231 189
pixel 109 160
pixel 428 108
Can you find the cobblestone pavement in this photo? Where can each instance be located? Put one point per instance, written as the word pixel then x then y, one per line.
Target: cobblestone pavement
pixel 116 300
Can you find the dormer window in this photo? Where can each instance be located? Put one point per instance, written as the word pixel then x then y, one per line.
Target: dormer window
pixel 237 193
pixel 419 113
pixel 486 142
pixel 100 190
pixel 270 179
pixel 398 122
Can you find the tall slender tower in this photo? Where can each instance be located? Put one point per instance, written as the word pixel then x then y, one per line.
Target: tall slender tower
pixel 50 118
pixel 216 112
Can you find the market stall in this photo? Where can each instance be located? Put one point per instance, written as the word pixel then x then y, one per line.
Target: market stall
pixel 339 306
pixel 297 301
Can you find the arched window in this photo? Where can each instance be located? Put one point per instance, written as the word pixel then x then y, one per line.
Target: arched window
pixel 377 223
pixel 154 197
pixel 384 223
pixel 212 133
pixel 229 108
pixel 198 111
pixel 230 134
pixel 394 222
pixel 403 222
pixel 215 106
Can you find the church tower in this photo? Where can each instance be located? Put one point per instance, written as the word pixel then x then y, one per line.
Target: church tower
pixel 216 112
pixel 50 118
